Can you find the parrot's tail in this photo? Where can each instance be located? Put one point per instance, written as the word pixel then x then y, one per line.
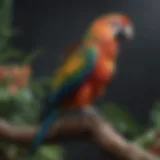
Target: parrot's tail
pixel 46 125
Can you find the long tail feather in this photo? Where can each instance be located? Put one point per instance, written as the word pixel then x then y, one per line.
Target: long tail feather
pixel 42 133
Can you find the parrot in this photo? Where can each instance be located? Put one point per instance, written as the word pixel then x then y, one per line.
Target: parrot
pixel 86 71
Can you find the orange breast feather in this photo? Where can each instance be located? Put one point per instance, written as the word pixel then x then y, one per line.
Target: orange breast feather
pixel 95 85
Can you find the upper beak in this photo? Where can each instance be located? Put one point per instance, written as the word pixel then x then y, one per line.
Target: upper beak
pixel 129 32
pixel 125 34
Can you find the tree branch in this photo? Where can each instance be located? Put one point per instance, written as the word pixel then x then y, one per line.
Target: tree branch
pixel 78 128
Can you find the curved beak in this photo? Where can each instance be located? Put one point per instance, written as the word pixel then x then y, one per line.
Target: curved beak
pixel 125 34
pixel 129 32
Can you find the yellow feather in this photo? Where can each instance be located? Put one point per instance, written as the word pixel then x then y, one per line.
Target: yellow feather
pixel 70 67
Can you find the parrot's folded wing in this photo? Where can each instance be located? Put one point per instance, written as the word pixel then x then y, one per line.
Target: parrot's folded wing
pixel 72 73
pixel 69 76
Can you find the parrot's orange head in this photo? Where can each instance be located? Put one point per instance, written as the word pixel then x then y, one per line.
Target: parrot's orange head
pixel 112 26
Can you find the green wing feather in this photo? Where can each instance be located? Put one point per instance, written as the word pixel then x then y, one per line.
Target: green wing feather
pixel 73 73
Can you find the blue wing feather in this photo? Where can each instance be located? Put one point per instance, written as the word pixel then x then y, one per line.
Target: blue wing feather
pixel 42 133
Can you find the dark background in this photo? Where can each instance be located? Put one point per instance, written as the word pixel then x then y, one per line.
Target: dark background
pixel 53 24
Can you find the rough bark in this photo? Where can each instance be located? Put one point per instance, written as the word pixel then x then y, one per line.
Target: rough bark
pixel 78 128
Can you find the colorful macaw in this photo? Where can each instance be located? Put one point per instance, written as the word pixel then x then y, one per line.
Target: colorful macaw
pixel 86 71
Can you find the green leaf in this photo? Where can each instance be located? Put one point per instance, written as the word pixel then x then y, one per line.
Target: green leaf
pixel 37 89
pixel 49 153
pixel 39 85
pixel 155 114
pixel 29 59
pixel 121 119
pixel 146 139
pixel 6 14
pixel 5 22
pixel 10 53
